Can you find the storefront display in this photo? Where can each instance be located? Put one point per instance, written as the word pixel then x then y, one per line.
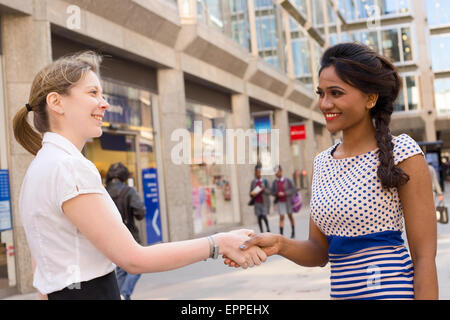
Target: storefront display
pixel 211 180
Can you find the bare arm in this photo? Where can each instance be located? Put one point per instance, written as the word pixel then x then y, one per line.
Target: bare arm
pixel 419 212
pixel 90 213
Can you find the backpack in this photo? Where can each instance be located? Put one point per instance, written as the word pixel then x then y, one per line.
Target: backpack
pixel 122 204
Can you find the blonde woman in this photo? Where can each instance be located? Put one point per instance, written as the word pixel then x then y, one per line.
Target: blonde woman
pixel 74 231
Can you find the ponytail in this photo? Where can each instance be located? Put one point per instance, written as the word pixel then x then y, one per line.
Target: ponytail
pixel 24 133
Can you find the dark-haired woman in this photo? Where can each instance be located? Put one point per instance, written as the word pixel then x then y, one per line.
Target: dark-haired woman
pixel 364 187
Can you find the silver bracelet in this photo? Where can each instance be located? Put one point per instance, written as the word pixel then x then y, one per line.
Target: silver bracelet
pixel 213 248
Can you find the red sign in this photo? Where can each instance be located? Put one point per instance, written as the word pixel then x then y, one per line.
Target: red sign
pixel 298 132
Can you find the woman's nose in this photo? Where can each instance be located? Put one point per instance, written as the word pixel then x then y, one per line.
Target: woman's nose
pixel 104 103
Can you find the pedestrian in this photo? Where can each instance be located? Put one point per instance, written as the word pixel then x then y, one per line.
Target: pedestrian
pixel 283 190
pixel 73 228
pixel 364 187
pixel 435 183
pixel 131 207
pixel 260 198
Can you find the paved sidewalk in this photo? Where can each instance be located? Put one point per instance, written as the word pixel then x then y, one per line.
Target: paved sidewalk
pixel 278 278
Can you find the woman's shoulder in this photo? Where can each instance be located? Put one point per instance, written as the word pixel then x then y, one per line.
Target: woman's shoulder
pixel 324 155
pixel 405 147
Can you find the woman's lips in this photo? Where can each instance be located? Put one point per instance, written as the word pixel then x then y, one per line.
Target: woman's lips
pixel 331 116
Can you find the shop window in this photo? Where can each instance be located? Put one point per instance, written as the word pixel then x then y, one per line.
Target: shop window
pixel 211 177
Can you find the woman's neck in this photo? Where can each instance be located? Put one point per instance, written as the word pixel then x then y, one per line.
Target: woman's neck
pixel 77 141
pixel 359 139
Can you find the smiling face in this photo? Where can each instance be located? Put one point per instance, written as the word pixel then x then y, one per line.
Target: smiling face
pixel 79 114
pixel 343 106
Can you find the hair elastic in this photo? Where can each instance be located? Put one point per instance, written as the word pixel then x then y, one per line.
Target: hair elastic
pixel 28 107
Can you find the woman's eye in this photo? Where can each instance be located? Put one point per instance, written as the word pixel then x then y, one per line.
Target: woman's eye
pixel 319 93
pixel 336 93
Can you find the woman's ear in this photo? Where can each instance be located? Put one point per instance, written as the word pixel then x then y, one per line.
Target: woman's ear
pixel 372 100
pixel 54 103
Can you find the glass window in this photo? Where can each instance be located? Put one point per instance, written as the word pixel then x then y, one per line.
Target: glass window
pixel 317 16
pixel 399 105
pixel 442 95
pixel 438 12
pixel 370 39
pixel 266 33
pixel 363 9
pixel 301 57
pixel 412 93
pixel 333 39
pixel 407 44
pixel 211 181
pixel 240 33
pixel 390 44
pixel 238 5
pixel 331 14
pixel 263 4
pixel 301 6
pixel 440 46
pixel 350 37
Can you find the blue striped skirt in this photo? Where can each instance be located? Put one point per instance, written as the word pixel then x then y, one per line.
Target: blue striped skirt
pixel 382 272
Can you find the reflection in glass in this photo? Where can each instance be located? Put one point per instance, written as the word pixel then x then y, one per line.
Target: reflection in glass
pixel 390 44
pixel 210 175
pixel 301 57
pixel 407 41
pixel 370 39
pixel 412 93
pixel 399 104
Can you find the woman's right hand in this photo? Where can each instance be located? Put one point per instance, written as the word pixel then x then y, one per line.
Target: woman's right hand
pixel 268 242
pixel 229 246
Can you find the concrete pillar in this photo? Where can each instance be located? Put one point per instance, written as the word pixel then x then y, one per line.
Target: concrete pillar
pixel 309 151
pixel 26 46
pixel 245 172
pixel 172 111
pixel 426 78
pixel 282 123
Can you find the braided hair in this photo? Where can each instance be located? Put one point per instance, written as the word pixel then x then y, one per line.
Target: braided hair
pixel 371 73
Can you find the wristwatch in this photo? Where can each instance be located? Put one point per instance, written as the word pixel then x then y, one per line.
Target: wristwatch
pixel 213 248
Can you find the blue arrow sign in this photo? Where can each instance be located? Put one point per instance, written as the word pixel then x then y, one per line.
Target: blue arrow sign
pixel 151 199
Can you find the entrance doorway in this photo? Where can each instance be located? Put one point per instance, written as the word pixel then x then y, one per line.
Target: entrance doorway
pixel 133 149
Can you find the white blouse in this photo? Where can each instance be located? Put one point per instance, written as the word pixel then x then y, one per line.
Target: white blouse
pixel 63 255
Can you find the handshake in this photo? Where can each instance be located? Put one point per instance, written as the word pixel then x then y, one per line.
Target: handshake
pixel 243 248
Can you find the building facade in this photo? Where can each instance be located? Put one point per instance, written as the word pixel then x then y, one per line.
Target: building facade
pixel 181 75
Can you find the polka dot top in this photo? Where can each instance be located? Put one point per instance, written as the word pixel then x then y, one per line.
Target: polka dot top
pixel 347 197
